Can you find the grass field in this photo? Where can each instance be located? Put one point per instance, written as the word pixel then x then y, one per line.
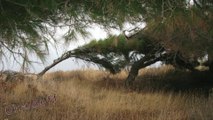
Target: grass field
pixel 157 94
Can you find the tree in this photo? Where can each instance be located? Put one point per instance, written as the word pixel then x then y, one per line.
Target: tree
pixel 24 24
pixel 179 27
pixel 137 51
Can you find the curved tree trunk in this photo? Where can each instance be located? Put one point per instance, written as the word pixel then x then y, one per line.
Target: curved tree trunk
pixel 142 63
pixel 175 60
pixel 90 58
pixel 211 67
pixel 55 62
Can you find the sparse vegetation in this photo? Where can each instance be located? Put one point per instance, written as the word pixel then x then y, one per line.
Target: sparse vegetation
pixel 158 93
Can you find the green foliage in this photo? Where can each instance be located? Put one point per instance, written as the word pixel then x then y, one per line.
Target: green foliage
pixel 178 25
pixel 120 44
pixel 185 30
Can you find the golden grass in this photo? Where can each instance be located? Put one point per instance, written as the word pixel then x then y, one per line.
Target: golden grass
pixel 97 95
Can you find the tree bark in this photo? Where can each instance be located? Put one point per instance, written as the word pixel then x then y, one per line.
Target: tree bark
pixel 55 62
pixel 102 62
pixel 142 63
pixel 211 67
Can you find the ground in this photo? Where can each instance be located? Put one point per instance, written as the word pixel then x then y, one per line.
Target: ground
pixel 158 93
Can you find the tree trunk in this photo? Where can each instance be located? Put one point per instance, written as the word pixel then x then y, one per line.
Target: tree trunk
pixel 55 62
pixel 142 63
pixel 100 61
pixel 211 67
pixel 132 75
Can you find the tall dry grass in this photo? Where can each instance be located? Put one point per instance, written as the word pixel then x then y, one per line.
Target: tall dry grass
pixel 97 95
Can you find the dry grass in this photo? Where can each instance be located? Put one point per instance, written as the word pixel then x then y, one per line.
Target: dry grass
pixel 97 95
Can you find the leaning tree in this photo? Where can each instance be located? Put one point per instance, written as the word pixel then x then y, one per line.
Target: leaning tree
pixel 117 52
pixel 179 31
